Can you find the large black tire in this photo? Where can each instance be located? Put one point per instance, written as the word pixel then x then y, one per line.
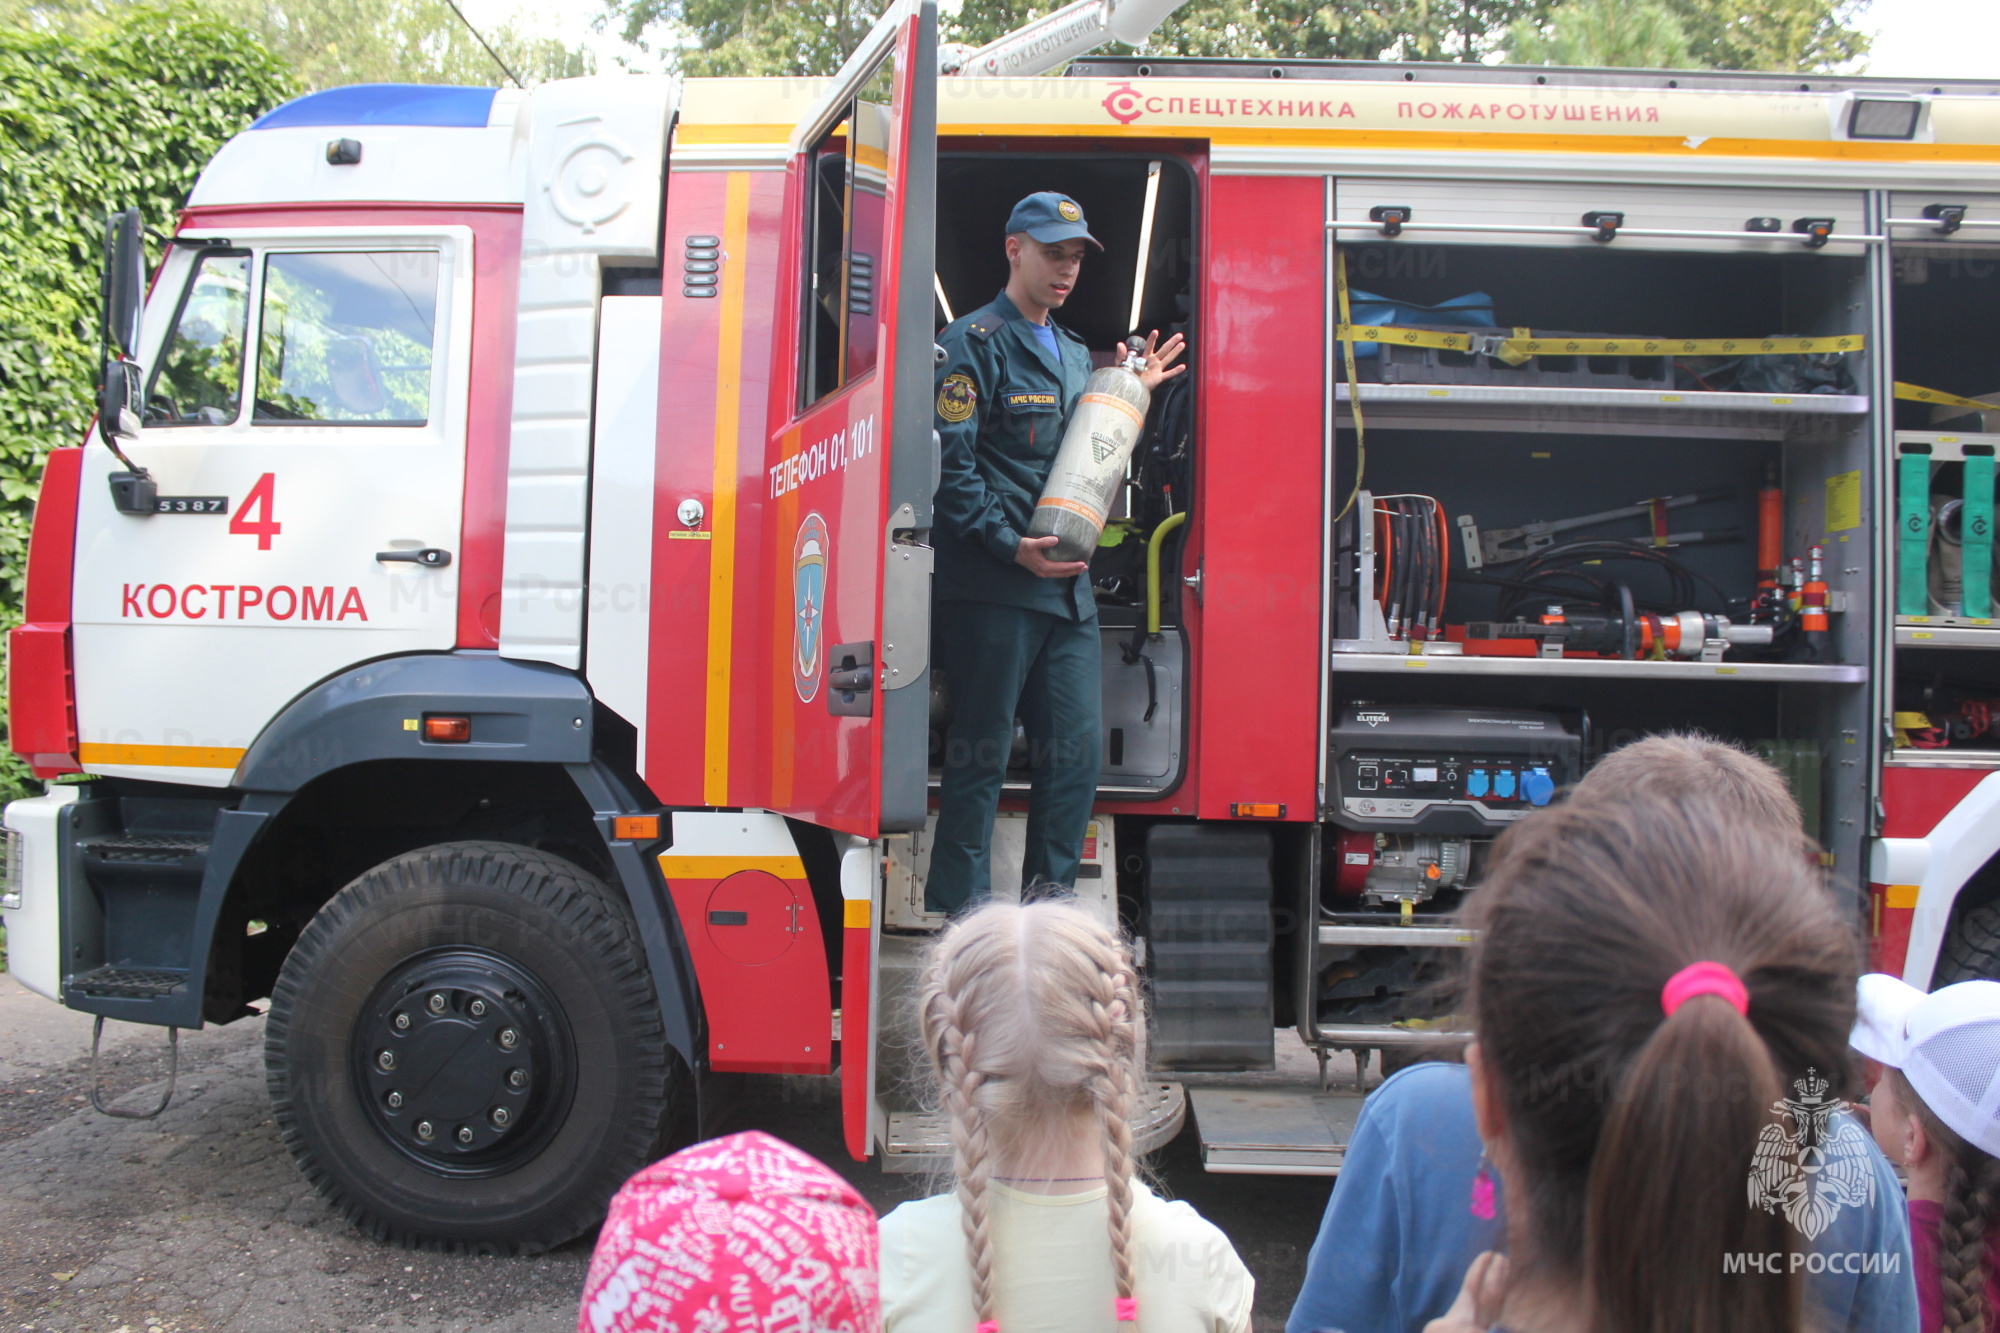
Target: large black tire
pixel 1971 949
pixel 465 1051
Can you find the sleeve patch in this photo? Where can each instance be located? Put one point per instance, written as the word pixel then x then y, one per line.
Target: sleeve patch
pixel 956 398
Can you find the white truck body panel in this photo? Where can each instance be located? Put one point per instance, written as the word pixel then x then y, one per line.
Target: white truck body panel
pixel 621 505
pixel 593 154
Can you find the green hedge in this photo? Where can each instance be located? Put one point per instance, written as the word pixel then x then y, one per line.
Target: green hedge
pixel 124 115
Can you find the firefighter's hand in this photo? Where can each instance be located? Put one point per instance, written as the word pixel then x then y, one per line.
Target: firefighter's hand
pixel 1029 556
pixel 1479 1299
pixel 1158 358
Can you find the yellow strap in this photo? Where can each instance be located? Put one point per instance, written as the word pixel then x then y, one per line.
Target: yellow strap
pixel 1916 393
pixel 1510 353
pixel 1781 346
pixel 1524 344
pixel 1391 333
pixel 1345 332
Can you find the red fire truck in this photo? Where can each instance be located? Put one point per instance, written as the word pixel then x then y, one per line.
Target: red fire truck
pixel 490 619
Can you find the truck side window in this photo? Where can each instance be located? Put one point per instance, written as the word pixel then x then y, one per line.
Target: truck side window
pixel 826 298
pixel 845 224
pixel 347 337
pixel 199 380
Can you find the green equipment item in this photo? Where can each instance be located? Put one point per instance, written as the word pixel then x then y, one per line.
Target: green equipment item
pixel 1913 531
pixel 1975 526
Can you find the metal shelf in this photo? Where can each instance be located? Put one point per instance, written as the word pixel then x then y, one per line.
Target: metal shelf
pixel 1377 663
pixel 1946 758
pixel 1947 636
pixel 1438 937
pixel 1547 409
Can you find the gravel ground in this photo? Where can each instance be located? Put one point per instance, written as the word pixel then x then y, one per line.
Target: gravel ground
pixel 198 1221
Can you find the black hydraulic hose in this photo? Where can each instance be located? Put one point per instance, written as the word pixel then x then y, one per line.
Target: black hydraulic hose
pixel 1412 567
pixel 1628 616
pixel 1420 516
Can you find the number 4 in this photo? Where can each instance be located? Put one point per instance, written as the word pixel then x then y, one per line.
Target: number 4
pixel 263 527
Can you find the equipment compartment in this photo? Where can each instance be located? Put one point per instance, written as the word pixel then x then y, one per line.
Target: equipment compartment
pixel 1640 538
pixel 1946 704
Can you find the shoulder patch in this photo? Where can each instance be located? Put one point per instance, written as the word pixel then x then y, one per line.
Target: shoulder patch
pixel 983 326
pixel 956 398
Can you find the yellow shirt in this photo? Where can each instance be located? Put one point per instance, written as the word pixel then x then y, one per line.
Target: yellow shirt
pixel 1052 1267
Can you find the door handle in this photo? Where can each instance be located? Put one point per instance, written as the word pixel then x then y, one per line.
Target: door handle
pixel 850 680
pixel 430 557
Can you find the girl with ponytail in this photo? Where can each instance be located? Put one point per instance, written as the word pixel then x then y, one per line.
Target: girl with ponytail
pixel 1651 977
pixel 1033 1022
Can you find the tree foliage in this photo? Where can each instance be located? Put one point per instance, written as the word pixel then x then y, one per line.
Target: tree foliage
pixel 813 36
pixel 1791 36
pixel 736 37
pixel 95 114
pixel 332 42
pixel 1603 32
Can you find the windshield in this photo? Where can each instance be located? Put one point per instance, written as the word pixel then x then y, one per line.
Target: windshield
pixel 199 381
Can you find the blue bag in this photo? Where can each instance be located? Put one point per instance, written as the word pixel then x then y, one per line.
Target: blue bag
pixel 1474 310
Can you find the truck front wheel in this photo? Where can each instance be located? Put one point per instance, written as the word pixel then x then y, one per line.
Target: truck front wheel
pixel 465 1051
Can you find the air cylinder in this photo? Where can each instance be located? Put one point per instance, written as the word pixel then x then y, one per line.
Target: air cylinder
pixel 1090 465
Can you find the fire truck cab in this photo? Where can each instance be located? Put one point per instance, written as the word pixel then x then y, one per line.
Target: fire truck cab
pixel 500 637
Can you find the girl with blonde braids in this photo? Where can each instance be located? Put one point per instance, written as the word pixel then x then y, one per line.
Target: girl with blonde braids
pixel 1035 1028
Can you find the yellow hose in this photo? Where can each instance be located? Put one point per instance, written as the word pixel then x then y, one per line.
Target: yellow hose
pixel 1167 525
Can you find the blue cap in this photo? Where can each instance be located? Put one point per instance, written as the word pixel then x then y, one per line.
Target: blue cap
pixel 1050 217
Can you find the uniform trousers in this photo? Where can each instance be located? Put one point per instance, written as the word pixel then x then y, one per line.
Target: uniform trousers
pixel 1001 662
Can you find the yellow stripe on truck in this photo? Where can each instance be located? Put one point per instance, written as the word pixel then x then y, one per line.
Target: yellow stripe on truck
pixel 722 867
pixel 722 560
pixel 160 756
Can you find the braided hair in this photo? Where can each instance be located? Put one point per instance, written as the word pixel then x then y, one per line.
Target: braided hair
pixel 1971 1200
pixel 1032 1017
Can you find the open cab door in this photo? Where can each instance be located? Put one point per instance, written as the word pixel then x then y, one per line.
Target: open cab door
pixel 851 457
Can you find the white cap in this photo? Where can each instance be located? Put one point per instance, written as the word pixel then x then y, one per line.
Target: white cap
pixel 1950 1052
pixel 1885 1001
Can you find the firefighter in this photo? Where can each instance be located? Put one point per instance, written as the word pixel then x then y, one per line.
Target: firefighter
pixel 1015 632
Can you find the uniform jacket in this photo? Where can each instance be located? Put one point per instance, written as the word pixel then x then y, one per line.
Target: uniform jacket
pixel 1002 403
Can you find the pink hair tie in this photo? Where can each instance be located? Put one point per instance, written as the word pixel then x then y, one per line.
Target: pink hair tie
pixel 987 1326
pixel 1126 1308
pixel 1704 979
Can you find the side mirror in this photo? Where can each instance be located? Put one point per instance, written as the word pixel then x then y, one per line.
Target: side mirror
pixel 124 284
pixel 118 400
pixel 132 491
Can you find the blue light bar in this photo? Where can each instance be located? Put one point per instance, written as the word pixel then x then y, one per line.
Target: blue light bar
pixel 385 104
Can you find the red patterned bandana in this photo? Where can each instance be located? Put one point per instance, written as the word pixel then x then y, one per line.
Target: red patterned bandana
pixel 743 1234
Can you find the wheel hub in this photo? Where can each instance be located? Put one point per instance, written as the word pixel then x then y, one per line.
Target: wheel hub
pixel 464 1061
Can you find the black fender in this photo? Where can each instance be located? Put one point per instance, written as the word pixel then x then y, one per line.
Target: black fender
pixel 611 795
pixel 525 712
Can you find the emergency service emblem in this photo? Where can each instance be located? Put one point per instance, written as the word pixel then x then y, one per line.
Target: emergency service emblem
pixel 1067 210
pixel 809 586
pixel 1819 1167
pixel 956 398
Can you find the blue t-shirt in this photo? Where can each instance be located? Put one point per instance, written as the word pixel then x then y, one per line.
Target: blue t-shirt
pixel 1045 334
pixel 1399 1234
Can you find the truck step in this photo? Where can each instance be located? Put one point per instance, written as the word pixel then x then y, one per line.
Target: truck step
pixel 130 983
pixel 921 1140
pixel 1257 1131
pixel 163 849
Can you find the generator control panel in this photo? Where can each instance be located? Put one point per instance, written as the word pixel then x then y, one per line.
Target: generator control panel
pixel 1432 769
